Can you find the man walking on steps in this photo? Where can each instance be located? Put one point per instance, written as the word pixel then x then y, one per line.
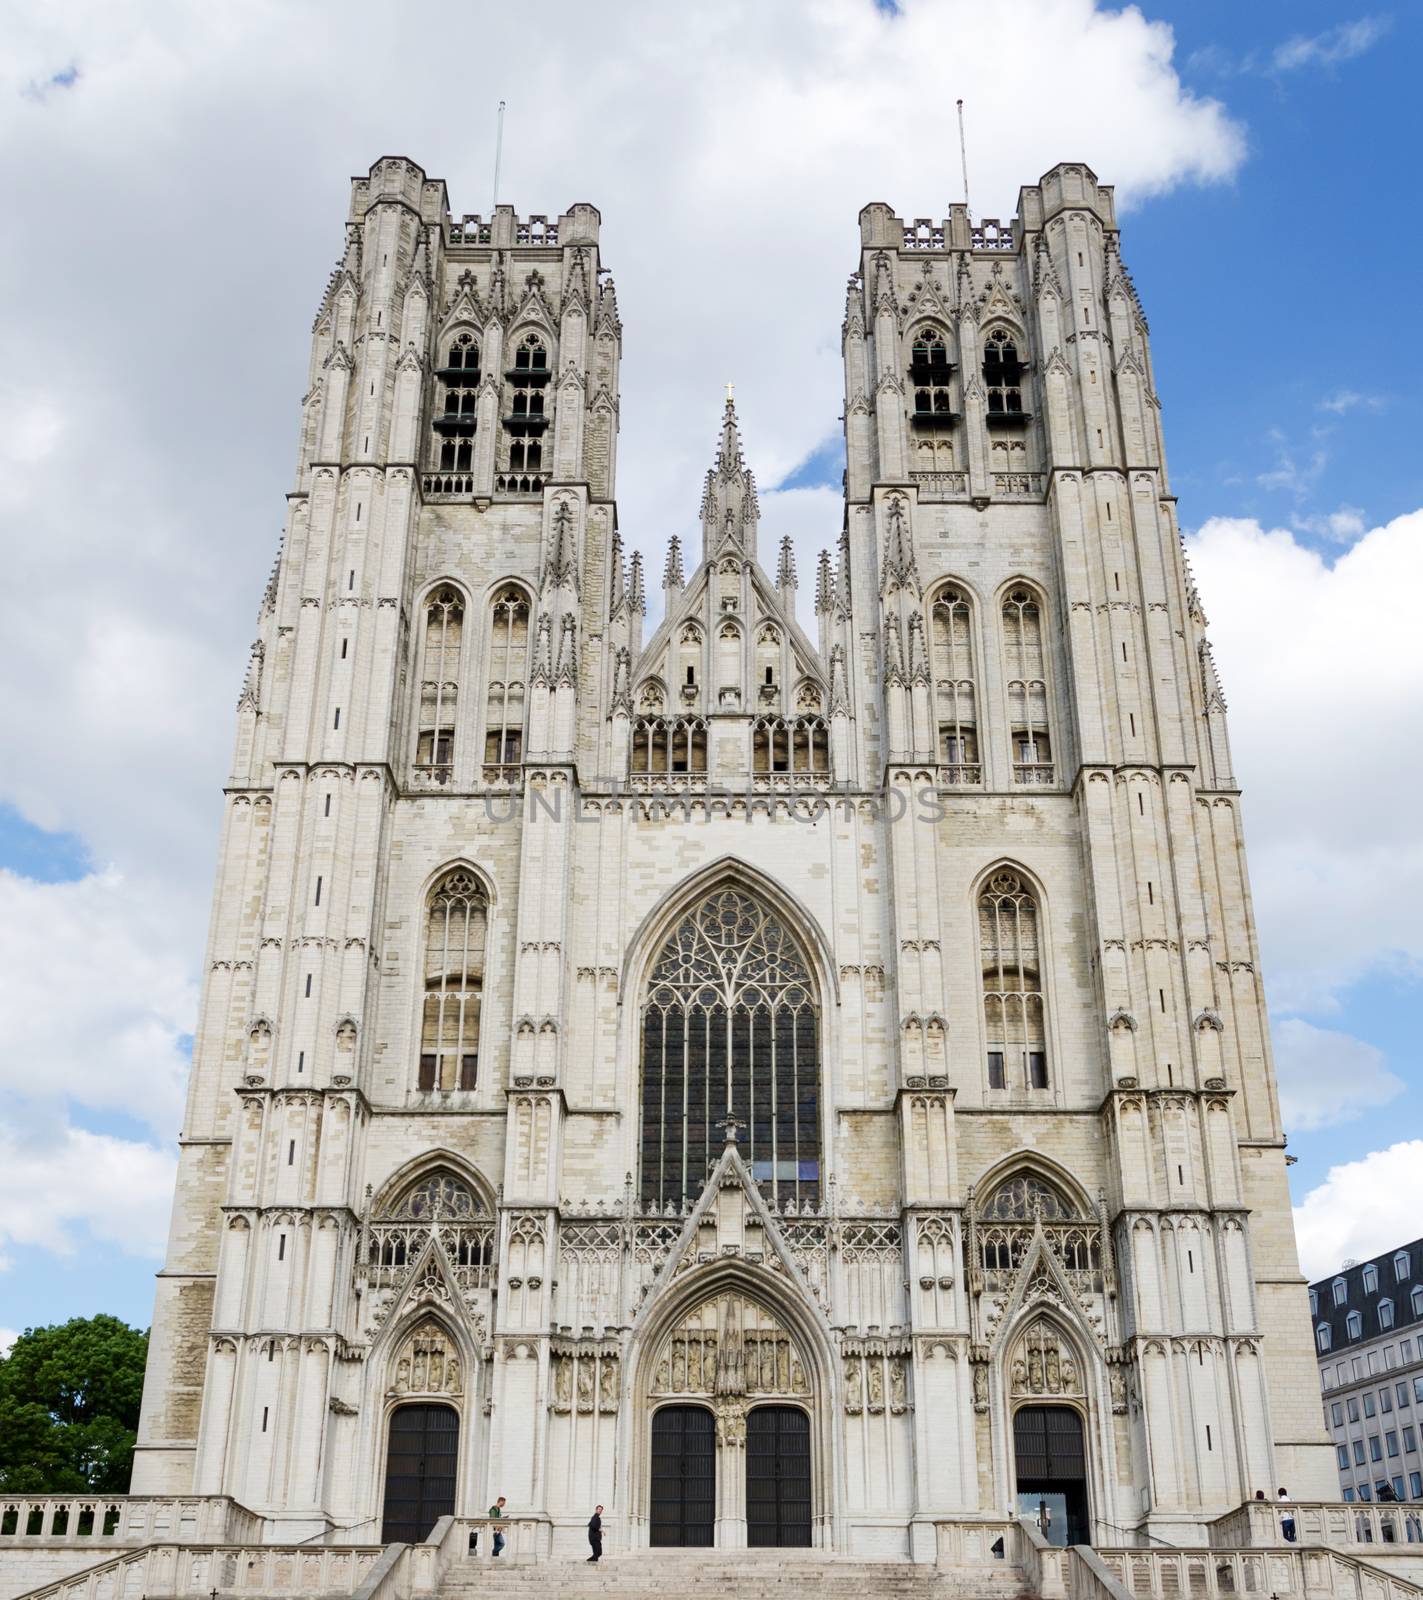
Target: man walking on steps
pixel 496 1511
pixel 595 1533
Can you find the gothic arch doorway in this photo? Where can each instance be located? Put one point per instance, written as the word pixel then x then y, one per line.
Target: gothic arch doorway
pixel 1050 1460
pixel 683 1508
pixel 421 1469
pixel 778 1477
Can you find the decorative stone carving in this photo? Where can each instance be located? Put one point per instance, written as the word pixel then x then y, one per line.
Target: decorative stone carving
pixel 730 1346
pixel 1043 1364
pixel 427 1363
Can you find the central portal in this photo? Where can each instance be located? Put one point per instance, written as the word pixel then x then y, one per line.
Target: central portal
pixel 683 1477
pixel 778 1477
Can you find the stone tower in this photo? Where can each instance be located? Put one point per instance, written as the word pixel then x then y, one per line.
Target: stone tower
pixel 789 1090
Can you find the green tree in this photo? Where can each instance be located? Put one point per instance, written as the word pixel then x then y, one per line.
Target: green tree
pixel 69 1397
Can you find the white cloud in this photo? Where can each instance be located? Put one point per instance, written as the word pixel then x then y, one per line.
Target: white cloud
pixel 7 1341
pixel 1329 48
pixel 1346 400
pixel 96 999
pixel 1327 1077
pixel 1325 679
pixel 1343 526
pixel 1361 1209
pixel 55 1180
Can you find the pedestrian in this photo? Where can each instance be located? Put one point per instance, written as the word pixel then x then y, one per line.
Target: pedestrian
pixel 1287 1518
pixel 496 1512
pixel 1259 1494
pixel 595 1534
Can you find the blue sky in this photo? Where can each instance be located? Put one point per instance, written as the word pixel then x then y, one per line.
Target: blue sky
pixel 1270 223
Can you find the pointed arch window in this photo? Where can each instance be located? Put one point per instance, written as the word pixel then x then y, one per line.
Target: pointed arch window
pixel 456 404
pixel 526 418
pixel 1004 1225
pixel 1027 687
pixel 1003 378
pixel 440 665
pixel 930 375
pixel 506 674
pixel 441 1207
pixel 731 1029
pixel 456 929
pixel 1009 941
pixel 955 685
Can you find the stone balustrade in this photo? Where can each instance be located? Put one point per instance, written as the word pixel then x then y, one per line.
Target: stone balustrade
pixel 1260 1523
pixel 168 1571
pixel 77 1519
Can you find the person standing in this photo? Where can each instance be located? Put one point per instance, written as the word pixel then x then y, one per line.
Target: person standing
pixel 496 1512
pixel 1287 1518
pixel 595 1533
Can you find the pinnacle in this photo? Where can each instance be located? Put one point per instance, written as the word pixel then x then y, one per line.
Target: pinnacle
pixel 785 569
pixel 824 584
pixel 672 577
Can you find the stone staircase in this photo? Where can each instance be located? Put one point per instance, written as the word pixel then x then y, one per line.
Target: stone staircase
pixel 713 1574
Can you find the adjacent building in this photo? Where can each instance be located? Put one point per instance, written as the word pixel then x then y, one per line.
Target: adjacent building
pixel 1368 1331
pixel 788 1085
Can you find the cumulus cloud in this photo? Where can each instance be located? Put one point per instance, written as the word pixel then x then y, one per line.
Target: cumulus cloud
pixel 1361 1209
pixel 62 1179
pixel 7 1340
pixel 1343 401
pixel 1327 1077
pixel 96 1005
pixel 1329 677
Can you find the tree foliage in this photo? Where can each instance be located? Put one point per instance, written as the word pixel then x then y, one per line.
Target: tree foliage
pixel 69 1398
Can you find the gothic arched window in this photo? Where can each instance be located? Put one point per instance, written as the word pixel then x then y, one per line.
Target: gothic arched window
pixel 1026 676
pixel 1025 1197
pixel 439 684
pixel 1009 946
pixel 731 1030
pixel 929 371
pixel 531 355
pixel 506 671
pixel 454 417
pixel 1002 374
pixel 790 745
pixel 456 927
pixel 440 1204
pixel 955 688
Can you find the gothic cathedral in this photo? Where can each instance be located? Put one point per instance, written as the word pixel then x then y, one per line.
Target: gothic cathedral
pixel 787 1089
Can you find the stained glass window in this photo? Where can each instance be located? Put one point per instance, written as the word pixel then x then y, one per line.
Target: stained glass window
pixel 731 1029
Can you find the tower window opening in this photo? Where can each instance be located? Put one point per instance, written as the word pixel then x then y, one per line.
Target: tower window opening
pixel 1003 375
pixel 668 745
pixel 930 372
pixel 954 672
pixel 507 671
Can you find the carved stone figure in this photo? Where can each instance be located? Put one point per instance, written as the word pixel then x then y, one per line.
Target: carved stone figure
pixel 853 1401
pixel 608 1384
pixel 874 1373
pixel 898 1388
pixel 585 1384
pixel 562 1383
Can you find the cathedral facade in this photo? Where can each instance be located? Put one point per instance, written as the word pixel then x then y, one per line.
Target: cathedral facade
pixel 787 1089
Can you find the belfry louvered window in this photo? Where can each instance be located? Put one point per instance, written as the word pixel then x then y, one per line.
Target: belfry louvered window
pixel 526 418
pixel 1009 947
pixel 955 689
pixel 439 685
pixel 1026 675
pixel 1003 378
pixel 456 925
pixel 731 1029
pixel 456 403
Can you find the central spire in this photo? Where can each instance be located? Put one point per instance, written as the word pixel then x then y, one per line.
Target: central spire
pixel 729 509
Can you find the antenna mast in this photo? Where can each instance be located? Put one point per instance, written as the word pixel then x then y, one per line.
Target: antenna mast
pixel 963 161
pixel 499 154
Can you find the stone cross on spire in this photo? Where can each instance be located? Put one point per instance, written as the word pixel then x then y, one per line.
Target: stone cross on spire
pixel 729 508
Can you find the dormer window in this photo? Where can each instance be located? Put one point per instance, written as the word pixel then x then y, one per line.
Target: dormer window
pixel 1371 1279
pixel 1400 1266
pixel 1354 1325
pixel 1340 1291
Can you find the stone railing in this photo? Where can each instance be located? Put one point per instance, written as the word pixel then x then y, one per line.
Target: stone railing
pixel 1260 1523
pixel 1089 1578
pixel 1316 1573
pixel 970 1543
pixel 940 485
pixel 1023 485
pixel 1034 773
pixel 447 485
pixel 76 1519
pixel 273 1571
pixel 1044 1565
pixel 960 775
pixel 991 234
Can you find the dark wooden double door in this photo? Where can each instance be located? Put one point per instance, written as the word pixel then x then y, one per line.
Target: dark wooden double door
pixel 683 1500
pixel 422 1465
pixel 1051 1459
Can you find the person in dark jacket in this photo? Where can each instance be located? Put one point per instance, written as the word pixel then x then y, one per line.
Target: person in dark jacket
pixel 595 1533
